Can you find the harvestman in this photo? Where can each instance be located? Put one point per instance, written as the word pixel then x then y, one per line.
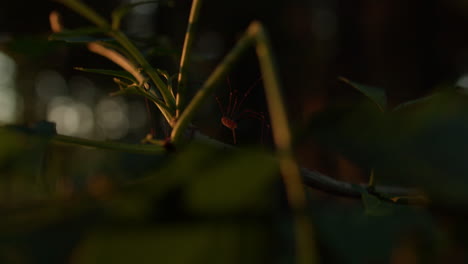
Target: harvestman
pixel 232 114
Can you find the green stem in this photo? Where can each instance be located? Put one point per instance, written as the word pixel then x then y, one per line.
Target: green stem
pixel 143 149
pixel 153 75
pixel 186 52
pixel 289 167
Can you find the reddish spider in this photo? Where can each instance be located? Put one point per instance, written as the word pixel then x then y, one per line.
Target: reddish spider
pixel 231 115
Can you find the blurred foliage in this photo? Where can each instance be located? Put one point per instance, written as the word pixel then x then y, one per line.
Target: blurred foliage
pixel 201 205
pixel 349 236
pixel 420 143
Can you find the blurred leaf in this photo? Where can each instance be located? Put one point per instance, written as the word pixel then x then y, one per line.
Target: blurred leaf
pixel 377 95
pixel 431 145
pixel 80 35
pixel 418 145
pixel 123 10
pixel 213 180
pixel 412 103
pixel 376 207
pixel 358 131
pixel 21 162
pixel 349 236
pixel 119 74
pixel 373 206
pixel 428 98
pixel 239 182
pixel 171 243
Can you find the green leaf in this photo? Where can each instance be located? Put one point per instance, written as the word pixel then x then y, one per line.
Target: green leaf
pixel 232 184
pixel 358 132
pixel 163 73
pixel 373 205
pixel 118 74
pixel 80 35
pixel 123 10
pixel 414 102
pixel 355 238
pixel 214 181
pixel 177 243
pixel 376 95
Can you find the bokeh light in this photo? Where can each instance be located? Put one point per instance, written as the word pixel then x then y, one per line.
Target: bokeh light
pixel 463 82
pixel 138 116
pixel 146 9
pixel 71 117
pixel 8 96
pixel 49 84
pixel 82 89
pixel 112 118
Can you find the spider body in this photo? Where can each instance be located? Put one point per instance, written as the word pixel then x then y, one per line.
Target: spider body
pixel 228 122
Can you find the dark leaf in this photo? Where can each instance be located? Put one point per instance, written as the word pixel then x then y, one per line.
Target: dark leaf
pixel 119 74
pixel 377 95
pixel 81 35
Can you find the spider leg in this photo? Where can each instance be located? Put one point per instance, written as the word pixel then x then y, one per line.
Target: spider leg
pixel 246 94
pixel 235 105
pixel 234 135
pixel 220 106
pixel 247 113
pixel 229 110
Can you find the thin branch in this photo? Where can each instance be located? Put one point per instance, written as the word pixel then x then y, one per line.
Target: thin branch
pixel 127 65
pixel 116 146
pixel 153 75
pixel 317 180
pixel 185 58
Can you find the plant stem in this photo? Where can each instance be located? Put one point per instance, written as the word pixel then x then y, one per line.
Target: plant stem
pixel 134 148
pixel 185 58
pixel 290 170
pixel 153 75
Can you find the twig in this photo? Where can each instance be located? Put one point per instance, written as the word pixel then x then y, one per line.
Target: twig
pixel 185 58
